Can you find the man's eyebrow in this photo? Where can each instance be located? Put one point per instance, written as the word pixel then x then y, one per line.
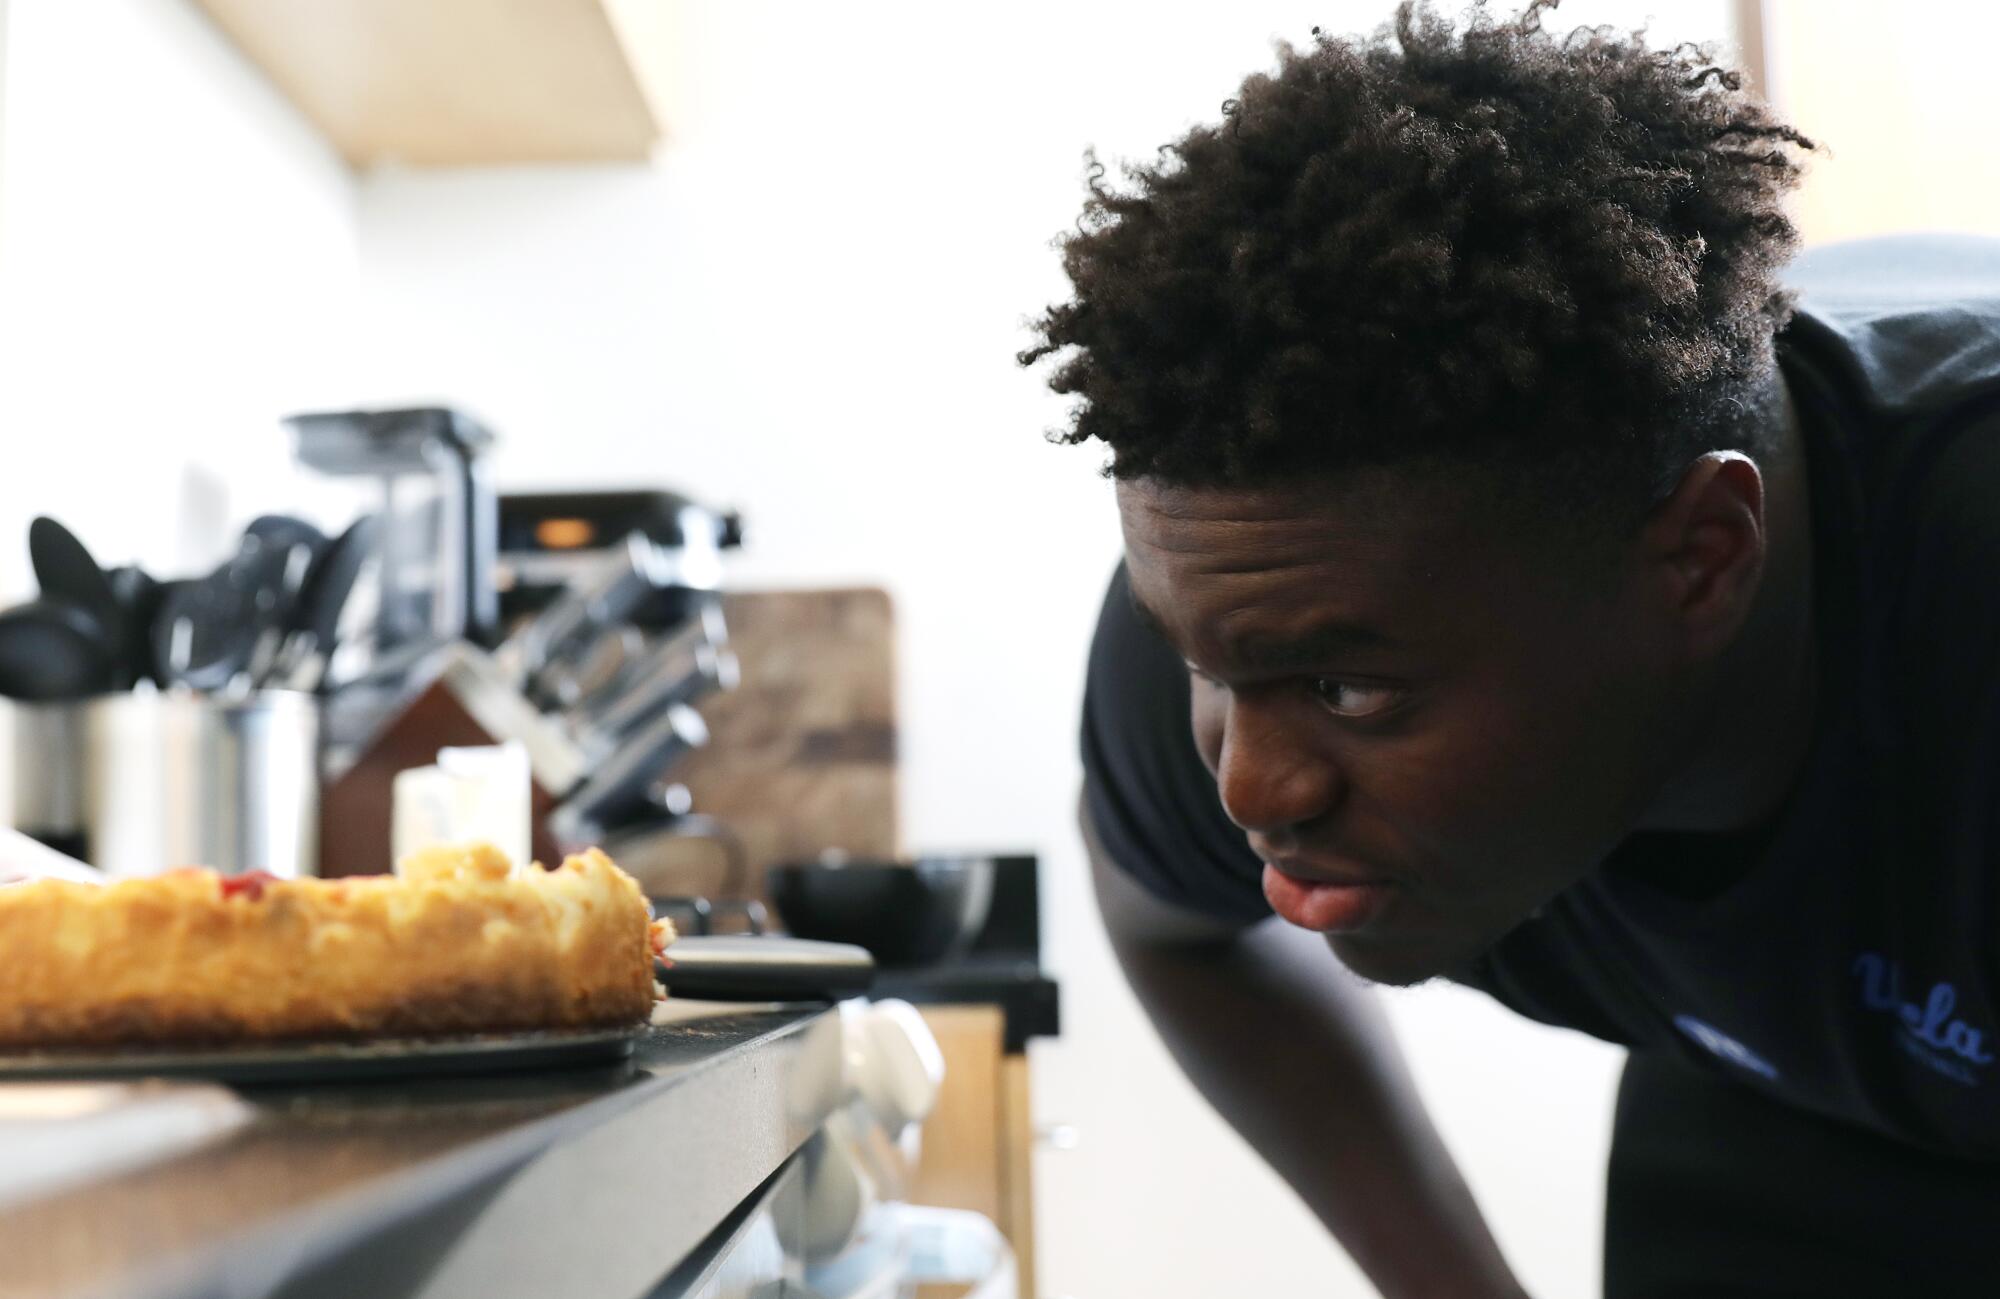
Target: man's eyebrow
pixel 1260 654
pixel 1311 648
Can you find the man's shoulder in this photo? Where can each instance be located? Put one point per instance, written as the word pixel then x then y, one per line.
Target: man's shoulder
pixel 1956 494
pixel 1912 322
pixel 1902 338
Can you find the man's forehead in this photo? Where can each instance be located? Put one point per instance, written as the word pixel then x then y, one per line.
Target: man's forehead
pixel 1254 573
pixel 1275 639
pixel 1376 497
pixel 1225 529
pixel 1323 564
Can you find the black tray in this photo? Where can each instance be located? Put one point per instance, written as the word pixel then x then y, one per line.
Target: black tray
pixel 273 1062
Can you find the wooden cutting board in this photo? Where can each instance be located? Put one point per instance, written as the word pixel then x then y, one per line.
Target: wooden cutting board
pixel 802 754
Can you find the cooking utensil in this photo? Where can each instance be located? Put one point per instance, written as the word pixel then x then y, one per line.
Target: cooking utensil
pixel 171 636
pixel 66 572
pixel 228 630
pixel 51 649
pixel 683 667
pixel 173 633
pixel 907 914
pixel 336 1061
pixel 279 575
pixel 622 783
pixel 220 630
pixel 598 670
pixel 437 571
pixel 284 531
pixel 763 967
pixel 614 590
pixel 315 626
pixel 138 605
pixel 280 582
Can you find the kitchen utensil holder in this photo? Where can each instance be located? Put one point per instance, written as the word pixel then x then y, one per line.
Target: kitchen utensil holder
pixel 145 781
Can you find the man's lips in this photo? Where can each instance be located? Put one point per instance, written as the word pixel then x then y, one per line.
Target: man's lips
pixel 1323 905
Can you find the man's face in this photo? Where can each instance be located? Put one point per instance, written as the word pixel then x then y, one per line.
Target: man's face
pixel 1425 726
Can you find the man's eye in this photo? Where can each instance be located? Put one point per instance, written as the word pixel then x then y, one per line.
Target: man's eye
pixel 1352 699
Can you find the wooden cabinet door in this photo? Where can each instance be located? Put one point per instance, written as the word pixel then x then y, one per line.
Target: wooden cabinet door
pixel 978 1142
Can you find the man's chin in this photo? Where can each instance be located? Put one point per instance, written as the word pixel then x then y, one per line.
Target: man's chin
pixel 1403 962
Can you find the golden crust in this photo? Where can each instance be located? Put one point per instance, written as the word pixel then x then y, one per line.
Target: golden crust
pixel 455 943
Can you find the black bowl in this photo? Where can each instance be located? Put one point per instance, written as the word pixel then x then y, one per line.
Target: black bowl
pixel 904 913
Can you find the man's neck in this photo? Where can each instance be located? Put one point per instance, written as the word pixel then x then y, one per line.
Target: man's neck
pixel 1763 699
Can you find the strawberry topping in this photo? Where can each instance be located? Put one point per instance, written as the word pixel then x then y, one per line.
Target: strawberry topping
pixel 248 885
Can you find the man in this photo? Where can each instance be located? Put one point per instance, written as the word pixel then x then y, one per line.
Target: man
pixel 1562 607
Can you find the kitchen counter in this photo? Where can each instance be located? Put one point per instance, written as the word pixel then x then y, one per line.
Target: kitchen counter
pixel 577 1182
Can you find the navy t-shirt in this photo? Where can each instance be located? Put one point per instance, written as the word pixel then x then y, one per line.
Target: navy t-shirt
pixel 1847 966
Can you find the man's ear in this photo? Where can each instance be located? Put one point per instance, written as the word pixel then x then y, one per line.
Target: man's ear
pixel 1704 547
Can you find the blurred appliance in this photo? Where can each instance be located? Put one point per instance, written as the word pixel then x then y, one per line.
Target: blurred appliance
pixel 439 522
pixel 549 541
pixel 434 584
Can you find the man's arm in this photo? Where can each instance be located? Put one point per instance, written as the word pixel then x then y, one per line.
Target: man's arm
pixel 1294 1052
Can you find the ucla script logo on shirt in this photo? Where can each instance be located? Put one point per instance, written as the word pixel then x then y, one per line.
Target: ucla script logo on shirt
pixel 1926 1030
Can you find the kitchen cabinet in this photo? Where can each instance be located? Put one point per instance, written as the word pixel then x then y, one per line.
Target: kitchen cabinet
pixel 979 1141
pixel 464 82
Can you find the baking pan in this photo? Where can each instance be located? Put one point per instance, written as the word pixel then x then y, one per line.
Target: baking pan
pixel 295 1062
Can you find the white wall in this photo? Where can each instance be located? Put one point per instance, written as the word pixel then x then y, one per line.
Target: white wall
pixel 177 269
pixel 809 309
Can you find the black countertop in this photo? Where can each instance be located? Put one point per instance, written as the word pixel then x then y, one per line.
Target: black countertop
pixel 593 1180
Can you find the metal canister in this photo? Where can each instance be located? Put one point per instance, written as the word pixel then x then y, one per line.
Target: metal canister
pixel 136 783
pixel 45 772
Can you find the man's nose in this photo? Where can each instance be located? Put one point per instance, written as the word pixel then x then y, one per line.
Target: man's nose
pixel 1270 778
